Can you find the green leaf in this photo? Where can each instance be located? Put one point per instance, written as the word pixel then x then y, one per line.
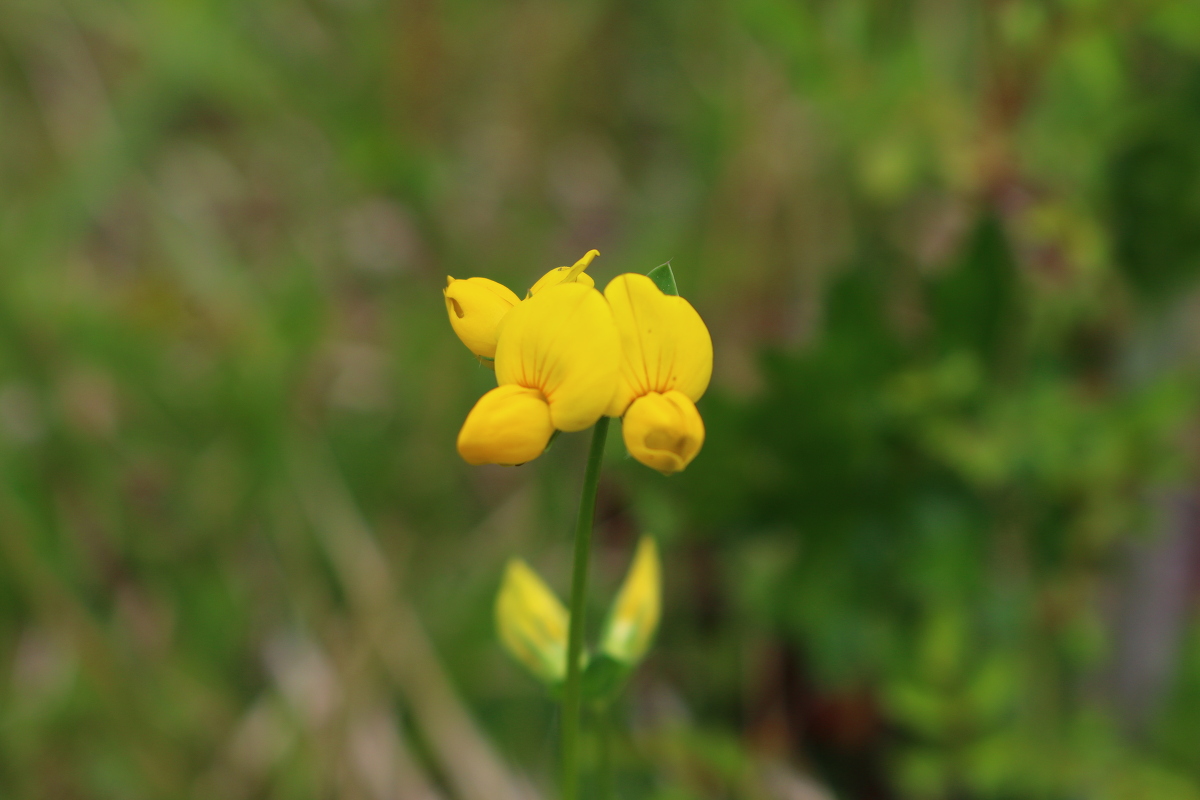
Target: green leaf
pixel 664 278
pixel 603 677
pixel 550 443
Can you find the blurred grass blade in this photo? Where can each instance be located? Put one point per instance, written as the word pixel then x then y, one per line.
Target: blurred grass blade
pixel 471 765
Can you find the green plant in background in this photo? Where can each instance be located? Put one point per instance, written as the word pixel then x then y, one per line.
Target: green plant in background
pixel 963 509
pixel 566 358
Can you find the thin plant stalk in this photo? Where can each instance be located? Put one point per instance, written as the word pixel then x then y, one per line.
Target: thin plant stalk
pixel 572 700
pixel 604 778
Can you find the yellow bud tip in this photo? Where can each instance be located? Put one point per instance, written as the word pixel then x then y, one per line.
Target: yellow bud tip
pixel 635 613
pixel 449 279
pixel 532 622
pixel 475 307
pixel 580 265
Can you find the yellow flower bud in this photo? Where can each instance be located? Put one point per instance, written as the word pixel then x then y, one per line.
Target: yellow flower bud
pixel 509 425
pixel 663 431
pixel 532 622
pixel 475 307
pixel 635 612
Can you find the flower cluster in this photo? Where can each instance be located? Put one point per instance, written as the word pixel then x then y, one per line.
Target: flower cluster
pixel 567 355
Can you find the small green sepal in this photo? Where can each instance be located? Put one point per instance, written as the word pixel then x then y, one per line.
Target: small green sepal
pixel 603 677
pixel 664 278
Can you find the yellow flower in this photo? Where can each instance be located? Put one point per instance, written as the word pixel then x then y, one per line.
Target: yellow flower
pixel 566 274
pixel 476 305
pixel 635 612
pixel 556 362
pixel 509 425
pixel 532 622
pixel 666 364
pixel 663 431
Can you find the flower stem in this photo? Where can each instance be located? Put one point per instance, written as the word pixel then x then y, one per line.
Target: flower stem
pixel 579 576
pixel 604 780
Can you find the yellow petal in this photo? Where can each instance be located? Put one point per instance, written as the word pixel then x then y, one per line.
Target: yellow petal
pixel 563 343
pixel 509 425
pixel 555 276
pixel 663 431
pixel 665 345
pixel 636 610
pixel 570 274
pixel 532 622
pixel 475 307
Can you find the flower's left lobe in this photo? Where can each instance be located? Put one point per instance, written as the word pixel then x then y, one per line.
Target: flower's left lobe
pixel 476 306
pixel 562 347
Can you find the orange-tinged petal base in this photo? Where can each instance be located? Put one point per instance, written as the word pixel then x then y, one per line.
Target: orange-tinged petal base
pixel 663 431
pixel 563 343
pixel 509 425
pixel 665 346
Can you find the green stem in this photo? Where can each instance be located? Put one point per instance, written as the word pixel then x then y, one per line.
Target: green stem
pixel 604 780
pixel 579 577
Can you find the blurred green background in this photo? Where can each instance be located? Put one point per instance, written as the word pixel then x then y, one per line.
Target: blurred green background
pixel 943 540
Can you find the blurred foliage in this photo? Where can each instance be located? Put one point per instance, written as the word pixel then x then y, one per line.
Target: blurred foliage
pixel 942 539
